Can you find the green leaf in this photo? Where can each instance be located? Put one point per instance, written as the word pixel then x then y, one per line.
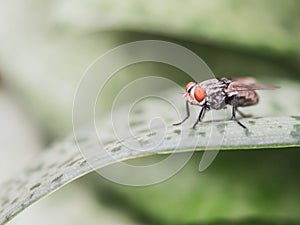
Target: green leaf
pixel 42 86
pixel 215 21
pixel 62 163
pixel 238 186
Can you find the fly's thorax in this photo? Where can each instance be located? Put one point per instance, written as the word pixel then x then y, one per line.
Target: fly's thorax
pixel 215 95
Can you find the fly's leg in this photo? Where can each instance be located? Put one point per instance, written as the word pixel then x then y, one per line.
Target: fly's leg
pixel 200 117
pixel 187 115
pixel 242 114
pixel 234 109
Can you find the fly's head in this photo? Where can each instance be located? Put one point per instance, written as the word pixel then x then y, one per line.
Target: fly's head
pixel 194 94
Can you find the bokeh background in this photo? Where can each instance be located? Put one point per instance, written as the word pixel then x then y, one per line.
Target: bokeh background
pixel 45 47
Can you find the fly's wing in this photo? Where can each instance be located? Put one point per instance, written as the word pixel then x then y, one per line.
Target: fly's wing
pixel 244 80
pixel 244 88
pixel 236 85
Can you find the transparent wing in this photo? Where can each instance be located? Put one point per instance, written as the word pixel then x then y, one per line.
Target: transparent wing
pixel 244 80
pixel 247 85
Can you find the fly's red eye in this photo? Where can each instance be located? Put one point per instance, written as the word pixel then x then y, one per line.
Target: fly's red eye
pixel 199 94
pixel 189 85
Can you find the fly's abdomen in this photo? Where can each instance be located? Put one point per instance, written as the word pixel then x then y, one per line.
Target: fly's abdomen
pixel 247 98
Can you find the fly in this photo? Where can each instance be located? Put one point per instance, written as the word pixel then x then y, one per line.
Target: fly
pixel 217 93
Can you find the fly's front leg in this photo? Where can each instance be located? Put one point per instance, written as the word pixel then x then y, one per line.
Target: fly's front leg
pixel 234 109
pixel 200 117
pixel 187 115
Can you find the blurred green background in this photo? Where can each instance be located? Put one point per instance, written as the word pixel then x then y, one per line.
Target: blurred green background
pixel 45 47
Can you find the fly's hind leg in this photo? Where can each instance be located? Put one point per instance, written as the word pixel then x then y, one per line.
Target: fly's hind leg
pixel 187 115
pixel 243 114
pixel 234 110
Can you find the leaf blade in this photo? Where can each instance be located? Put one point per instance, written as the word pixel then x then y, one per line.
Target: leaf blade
pixel 63 163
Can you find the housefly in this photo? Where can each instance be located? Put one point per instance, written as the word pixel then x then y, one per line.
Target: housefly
pixel 218 93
